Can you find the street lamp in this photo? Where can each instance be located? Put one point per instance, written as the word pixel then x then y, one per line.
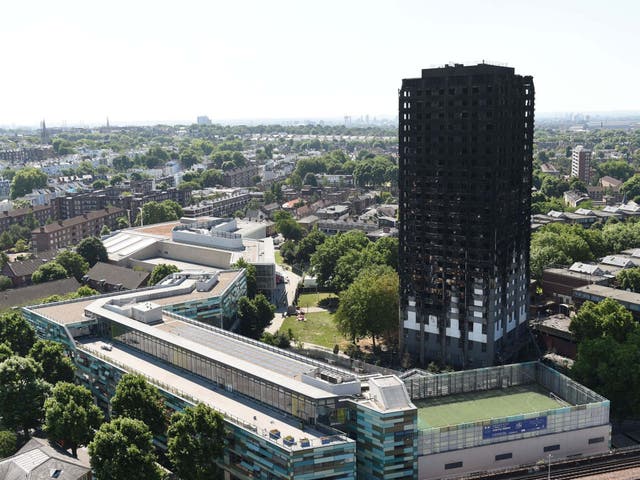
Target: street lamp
pixel 549 468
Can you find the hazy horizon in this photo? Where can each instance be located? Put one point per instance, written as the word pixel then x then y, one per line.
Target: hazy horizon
pixel 335 120
pixel 77 63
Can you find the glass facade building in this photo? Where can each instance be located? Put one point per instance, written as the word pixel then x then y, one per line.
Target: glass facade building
pixel 289 416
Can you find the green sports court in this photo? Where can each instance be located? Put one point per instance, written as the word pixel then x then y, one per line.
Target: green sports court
pixel 484 405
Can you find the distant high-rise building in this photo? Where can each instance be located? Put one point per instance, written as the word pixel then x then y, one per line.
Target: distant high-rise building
pixel 465 143
pixel 44 135
pixel 204 120
pixel 581 163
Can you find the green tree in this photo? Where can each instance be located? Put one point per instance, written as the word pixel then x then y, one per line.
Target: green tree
pixel 288 227
pixel 553 186
pixel 22 393
pixel 250 275
pixel 92 250
pixel 211 178
pixel 308 245
pixel 8 443
pixel 155 157
pixel 255 315
pixel 56 365
pixel 578 185
pixel 105 230
pixel 48 272
pixel 189 186
pixel 154 212
pixel 196 439
pixel 62 146
pixel 122 222
pixel 123 448
pixel 310 179
pixel 122 163
pixel 136 398
pixel 604 319
pixel 561 244
pixel 629 279
pixel 621 236
pixel 612 369
pixel 5 283
pixel 25 180
pixel 188 159
pixel 160 271
pixel 21 246
pixel 631 188
pixel 385 251
pixel 16 332
pixel 85 291
pixel 71 415
pixel 369 307
pixel 619 169
pixel 73 263
pixel 117 179
pixel 327 255
pixel 289 251
pixel 99 184
pixel 5 352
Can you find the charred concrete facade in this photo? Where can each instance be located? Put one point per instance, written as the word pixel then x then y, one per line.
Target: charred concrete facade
pixel 466 139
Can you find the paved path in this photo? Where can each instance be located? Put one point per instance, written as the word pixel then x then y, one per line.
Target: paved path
pixel 290 288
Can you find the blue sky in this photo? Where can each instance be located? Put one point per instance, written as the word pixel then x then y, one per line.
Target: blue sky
pixel 138 60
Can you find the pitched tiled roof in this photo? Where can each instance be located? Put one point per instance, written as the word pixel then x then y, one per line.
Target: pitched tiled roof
pixel 39 460
pixel 114 275
pixel 28 295
pixel 23 268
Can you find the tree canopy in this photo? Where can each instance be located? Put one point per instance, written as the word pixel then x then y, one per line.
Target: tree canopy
pixel 92 250
pixel 629 279
pixel 48 272
pixel 73 263
pixel 71 415
pixel 25 180
pixel 196 438
pixel 255 315
pixel 326 256
pixel 604 319
pixel 250 274
pixel 8 443
pixel 22 393
pixel 369 306
pixel 16 332
pixel 287 226
pixel 136 398
pixel 123 448
pixel 56 365
pixel 631 187
pixel 339 260
pixel 619 169
pixel 5 351
pixel 160 271
pixel 608 359
pixel 562 244
pixel 154 212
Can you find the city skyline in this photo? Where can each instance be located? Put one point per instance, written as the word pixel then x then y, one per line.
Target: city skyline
pixel 77 63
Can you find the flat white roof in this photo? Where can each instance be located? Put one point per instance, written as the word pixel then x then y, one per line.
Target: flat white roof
pixel 255 416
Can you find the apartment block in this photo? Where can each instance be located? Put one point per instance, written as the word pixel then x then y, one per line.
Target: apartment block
pixel 65 233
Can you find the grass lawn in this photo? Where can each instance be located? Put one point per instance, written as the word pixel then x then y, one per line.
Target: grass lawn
pixel 484 405
pixel 311 299
pixel 279 259
pixel 318 328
